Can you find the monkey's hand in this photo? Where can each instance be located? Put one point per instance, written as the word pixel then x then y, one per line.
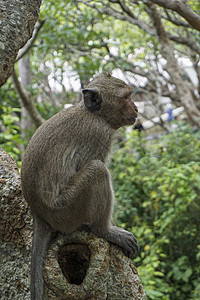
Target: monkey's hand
pixel 124 240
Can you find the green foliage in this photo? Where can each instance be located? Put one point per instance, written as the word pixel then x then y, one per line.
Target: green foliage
pixel 72 31
pixel 83 38
pixel 10 139
pixel 47 110
pixel 157 191
pixel 8 95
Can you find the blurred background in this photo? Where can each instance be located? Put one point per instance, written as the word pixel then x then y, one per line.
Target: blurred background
pixel 154 46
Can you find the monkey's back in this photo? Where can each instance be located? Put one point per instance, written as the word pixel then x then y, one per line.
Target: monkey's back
pixel 59 149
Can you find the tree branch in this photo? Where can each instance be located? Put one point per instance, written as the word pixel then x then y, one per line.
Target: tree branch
pixel 31 42
pixel 170 16
pixel 127 15
pixel 172 67
pixel 17 24
pixel 183 9
pixel 27 101
pixel 188 41
pixel 107 10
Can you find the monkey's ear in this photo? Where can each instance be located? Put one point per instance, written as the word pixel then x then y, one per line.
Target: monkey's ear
pixel 92 99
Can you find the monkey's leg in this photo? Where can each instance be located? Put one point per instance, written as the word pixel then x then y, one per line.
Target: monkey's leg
pixel 42 234
pixel 89 198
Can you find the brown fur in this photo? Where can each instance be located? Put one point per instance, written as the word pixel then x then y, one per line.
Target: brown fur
pixel 64 176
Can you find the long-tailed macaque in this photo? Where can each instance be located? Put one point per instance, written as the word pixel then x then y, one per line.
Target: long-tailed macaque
pixel 64 176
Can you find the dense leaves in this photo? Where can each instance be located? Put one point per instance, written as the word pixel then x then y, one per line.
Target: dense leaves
pixel 157 190
pixel 10 138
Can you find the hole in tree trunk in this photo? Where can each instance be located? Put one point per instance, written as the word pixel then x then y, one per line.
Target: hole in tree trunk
pixel 74 261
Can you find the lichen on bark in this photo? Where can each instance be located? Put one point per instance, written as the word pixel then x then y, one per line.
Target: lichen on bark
pixel 106 274
pixel 17 20
pixel 15 233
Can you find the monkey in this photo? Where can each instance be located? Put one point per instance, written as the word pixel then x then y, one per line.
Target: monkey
pixel 64 175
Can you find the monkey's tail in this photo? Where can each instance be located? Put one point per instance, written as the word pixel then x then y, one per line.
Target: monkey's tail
pixel 42 234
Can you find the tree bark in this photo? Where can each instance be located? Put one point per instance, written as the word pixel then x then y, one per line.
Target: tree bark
pixel 15 233
pixel 87 267
pixel 17 20
pixel 82 267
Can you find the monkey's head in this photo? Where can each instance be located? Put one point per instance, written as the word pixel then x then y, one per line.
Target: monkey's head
pixel 110 98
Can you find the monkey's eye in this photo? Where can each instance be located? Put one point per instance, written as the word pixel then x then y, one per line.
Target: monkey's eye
pixel 127 96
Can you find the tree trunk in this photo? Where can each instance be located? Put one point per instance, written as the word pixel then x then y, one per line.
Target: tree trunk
pixel 17 20
pixel 25 75
pixel 82 267
pixel 15 233
pixel 28 101
pixel 167 49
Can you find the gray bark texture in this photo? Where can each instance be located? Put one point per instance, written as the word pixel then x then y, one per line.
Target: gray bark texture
pixel 15 233
pixel 17 20
pixel 80 267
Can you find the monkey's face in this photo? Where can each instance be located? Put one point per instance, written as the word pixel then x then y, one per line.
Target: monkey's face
pixel 130 113
pixel 127 111
pixel 119 110
pixel 110 98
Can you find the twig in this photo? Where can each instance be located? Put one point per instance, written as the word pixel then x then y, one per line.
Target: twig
pixel 27 101
pixel 31 42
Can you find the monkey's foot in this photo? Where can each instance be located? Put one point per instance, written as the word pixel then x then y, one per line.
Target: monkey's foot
pixel 124 239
